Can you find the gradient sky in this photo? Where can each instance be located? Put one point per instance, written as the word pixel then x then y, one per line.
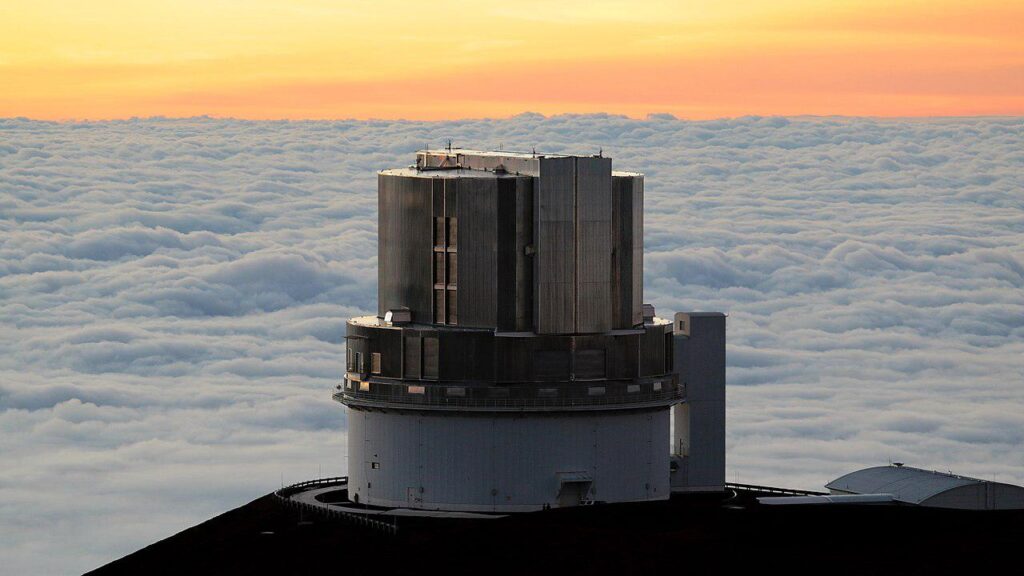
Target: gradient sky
pixel 64 59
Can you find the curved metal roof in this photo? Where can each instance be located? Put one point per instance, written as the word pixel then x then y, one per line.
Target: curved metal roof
pixel 905 483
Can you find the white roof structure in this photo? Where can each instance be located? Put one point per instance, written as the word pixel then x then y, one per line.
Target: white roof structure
pixel 930 488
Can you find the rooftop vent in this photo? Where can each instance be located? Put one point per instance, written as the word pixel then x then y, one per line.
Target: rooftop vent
pixel 398 316
pixel 648 313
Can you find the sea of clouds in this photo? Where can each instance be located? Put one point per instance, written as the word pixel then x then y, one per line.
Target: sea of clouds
pixel 173 296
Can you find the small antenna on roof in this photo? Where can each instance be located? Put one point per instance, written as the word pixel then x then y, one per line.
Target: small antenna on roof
pixel 449 144
pixel 600 152
pixel 534 151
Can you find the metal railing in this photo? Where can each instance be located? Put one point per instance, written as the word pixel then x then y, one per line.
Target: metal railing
pixel 387 526
pixel 773 490
pixel 510 398
pixel 287 491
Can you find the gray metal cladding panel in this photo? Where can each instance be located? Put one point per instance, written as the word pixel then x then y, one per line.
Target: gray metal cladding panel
pixel 556 194
pixel 477 249
pixel 704 357
pixel 388 248
pixel 637 291
pixel 592 342
pixel 554 201
pixel 524 262
pixel 700 363
pixel 506 278
pixel 638 250
pixel 405 244
pixel 437 196
pixel 389 344
pixel 451 195
pixel 556 236
pixel 480 356
pixel 593 307
pixel 554 305
pixel 593 244
pixel 466 355
pixel 431 357
pixel 623 356
pixel 412 357
pixel 594 189
pixel 594 290
pixel 513 360
pixel 555 297
pixel 594 254
pixel 505 462
pixel 590 364
pixel 623 255
pixel 707 443
pixel 551 364
pixel 652 351
pixel 518 359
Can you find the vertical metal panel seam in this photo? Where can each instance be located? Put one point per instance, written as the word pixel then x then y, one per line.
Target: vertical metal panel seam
pixel 575 245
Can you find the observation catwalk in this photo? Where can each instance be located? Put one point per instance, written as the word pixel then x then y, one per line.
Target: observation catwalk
pixel 512 365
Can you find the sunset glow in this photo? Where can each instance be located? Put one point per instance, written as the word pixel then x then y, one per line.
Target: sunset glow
pixel 453 59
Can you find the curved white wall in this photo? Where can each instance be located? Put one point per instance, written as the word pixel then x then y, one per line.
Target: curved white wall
pixel 505 462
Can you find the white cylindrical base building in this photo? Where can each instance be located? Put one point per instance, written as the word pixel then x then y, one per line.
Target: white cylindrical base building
pixel 507 462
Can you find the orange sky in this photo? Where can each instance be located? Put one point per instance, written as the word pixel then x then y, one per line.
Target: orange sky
pixel 63 59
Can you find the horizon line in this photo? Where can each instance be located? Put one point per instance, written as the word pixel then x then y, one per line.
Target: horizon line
pixel 665 116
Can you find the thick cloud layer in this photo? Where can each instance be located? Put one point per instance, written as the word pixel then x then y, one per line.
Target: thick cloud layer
pixel 173 296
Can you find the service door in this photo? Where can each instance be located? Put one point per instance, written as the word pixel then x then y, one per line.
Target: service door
pixel 413 497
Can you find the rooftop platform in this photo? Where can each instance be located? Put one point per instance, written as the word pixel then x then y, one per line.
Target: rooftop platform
pixel 445 173
pixel 505 161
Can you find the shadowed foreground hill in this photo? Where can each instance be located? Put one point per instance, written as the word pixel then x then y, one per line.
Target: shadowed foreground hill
pixel 691 533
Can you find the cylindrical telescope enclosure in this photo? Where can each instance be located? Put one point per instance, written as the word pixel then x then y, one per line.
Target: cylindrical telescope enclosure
pixel 557 254
pixel 510 366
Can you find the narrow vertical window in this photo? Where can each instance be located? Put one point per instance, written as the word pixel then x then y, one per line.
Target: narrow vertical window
pixel 453 269
pixel 669 353
pixel 411 357
pixel 439 275
pixel 375 363
pixel 439 307
pixel 430 357
pixel 453 232
pixel 453 309
pixel 439 232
